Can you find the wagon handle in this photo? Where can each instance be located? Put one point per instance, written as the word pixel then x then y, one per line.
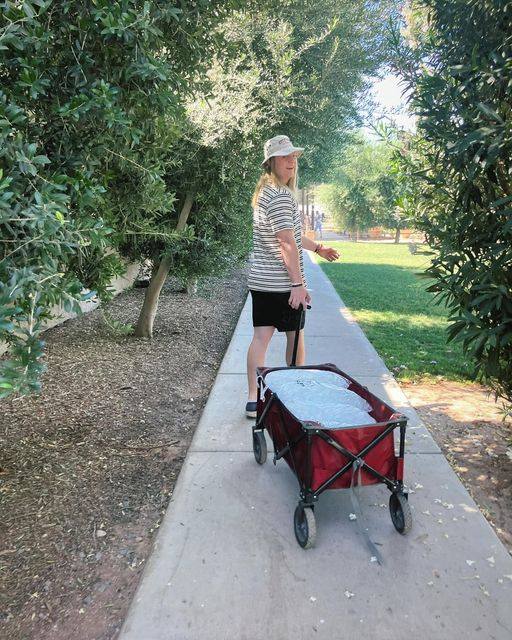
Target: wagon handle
pixel 297 331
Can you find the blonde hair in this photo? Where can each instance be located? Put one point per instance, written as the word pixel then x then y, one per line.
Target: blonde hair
pixel 269 177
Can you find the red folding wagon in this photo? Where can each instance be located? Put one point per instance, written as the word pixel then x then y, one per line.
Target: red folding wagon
pixel 332 457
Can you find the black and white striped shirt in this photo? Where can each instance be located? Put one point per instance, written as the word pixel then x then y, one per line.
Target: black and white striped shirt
pixel 276 210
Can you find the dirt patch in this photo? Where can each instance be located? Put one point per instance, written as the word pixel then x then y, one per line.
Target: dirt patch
pixel 466 423
pixel 89 465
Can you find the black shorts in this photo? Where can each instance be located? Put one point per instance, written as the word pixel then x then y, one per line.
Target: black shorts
pixel 271 309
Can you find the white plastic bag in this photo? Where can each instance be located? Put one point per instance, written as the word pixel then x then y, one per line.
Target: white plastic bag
pixel 319 396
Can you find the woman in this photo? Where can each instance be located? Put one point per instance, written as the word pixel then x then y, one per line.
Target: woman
pixel 276 278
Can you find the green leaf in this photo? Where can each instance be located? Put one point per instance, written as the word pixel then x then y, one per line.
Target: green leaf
pixel 484 108
pixel 29 11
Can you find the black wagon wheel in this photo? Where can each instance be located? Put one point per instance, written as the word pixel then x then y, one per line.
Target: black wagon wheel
pixel 259 446
pixel 304 525
pixel 400 511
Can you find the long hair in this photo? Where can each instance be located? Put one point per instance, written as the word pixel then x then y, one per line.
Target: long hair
pixel 269 177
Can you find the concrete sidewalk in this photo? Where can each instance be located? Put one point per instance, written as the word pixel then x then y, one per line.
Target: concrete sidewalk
pixel 226 563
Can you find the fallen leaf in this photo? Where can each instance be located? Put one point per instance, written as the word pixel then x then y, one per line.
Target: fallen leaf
pixel 421 537
pixel 467 507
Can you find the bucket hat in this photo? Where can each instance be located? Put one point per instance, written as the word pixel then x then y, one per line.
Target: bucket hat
pixel 279 146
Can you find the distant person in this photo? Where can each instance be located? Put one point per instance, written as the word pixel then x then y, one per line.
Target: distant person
pixel 318 226
pixel 276 277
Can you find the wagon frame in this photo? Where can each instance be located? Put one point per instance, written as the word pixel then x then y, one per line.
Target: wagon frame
pixel 286 445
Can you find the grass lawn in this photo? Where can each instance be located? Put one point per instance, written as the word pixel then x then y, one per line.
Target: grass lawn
pixel 378 282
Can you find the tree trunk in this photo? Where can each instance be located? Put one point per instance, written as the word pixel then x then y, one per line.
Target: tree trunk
pixel 144 328
pixel 397 235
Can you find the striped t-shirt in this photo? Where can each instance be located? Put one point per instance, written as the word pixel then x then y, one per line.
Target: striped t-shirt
pixel 276 210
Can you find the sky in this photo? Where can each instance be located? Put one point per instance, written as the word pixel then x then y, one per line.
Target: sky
pixel 387 92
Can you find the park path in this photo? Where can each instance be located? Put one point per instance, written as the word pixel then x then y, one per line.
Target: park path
pixel 225 563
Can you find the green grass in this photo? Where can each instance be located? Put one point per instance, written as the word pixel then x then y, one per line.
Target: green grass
pixel 380 285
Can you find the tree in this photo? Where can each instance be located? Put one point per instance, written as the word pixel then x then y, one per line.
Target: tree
pixel 90 95
pixel 338 46
pixel 364 192
pixel 455 57
pixel 258 82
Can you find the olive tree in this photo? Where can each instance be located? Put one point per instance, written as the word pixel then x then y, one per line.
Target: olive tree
pixel 263 81
pixel 91 96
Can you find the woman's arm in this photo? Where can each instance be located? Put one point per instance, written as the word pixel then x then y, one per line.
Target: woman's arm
pixel 325 252
pixel 290 254
pixel 308 244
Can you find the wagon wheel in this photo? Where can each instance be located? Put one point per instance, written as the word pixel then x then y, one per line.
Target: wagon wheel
pixel 259 446
pixel 400 511
pixel 304 525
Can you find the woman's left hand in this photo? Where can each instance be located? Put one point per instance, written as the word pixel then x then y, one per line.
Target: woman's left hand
pixel 328 253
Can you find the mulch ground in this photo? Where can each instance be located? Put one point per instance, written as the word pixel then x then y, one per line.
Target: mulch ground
pixel 467 424
pixel 88 466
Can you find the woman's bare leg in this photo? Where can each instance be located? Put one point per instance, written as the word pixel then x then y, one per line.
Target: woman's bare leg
pixel 256 357
pixel 301 348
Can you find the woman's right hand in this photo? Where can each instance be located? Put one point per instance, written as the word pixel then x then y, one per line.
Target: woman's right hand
pixel 299 296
